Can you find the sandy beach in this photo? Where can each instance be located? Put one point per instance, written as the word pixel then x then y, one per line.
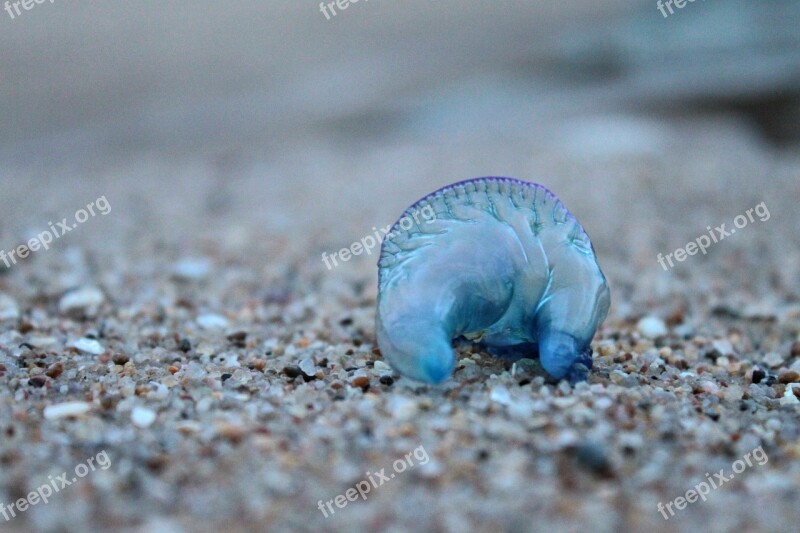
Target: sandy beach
pixel 191 342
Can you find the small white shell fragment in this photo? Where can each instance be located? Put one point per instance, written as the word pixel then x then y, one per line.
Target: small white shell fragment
pixel 90 346
pixel 709 387
pixel 603 402
pixel 85 299
pixel 788 397
pixel 63 410
pixel 521 410
pixel 652 327
pixel 212 321
pixel 307 366
pixel 142 417
pixel 723 346
pixel 402 408
pixel 42 342
pixel 564 402
pixel 773 359
pixel 229 360
pixel 380 366
pixel 733 393
pixel 192 269
pixel 433 469
pixel 500 395
pixel 161 392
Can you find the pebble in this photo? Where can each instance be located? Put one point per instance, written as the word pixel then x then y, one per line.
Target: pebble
pixel 723 347
pixel 788 397
pixel 42 342
pixel 55 370
pixel 594 458
pixel 381 367
pixel 521 410
pixel 238 338
pixel 632 441
pixel 229 360
pixel 529 366
pixel 143 417
pixel 90 346
pixel 652 327
pixel 603 402
pixel 37 381
pixel 307 367
pixel 160 391
pixel 709 387
pixel 795 349
pixel 565 438
pixel 431 470
pixel 212 321
pixel 192 269
pixel 773 359
pixel 788 376
pixel 232 432
pixel 630 381
pixel 401 407
pixel 360 381
pixel 63 410
pixel 733 393
pixel 500 395
pixel 85 300
pixel 292 371
pixel 8 308
pixel 564 402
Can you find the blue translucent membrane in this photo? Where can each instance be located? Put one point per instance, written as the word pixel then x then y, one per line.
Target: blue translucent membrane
pixel 494 260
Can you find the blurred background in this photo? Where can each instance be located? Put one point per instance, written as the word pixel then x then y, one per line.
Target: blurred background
pixel 270 116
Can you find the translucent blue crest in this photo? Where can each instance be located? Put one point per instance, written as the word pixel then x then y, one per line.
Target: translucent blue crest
pixel 497 261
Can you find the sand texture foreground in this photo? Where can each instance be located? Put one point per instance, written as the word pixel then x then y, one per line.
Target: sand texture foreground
pixel 234 381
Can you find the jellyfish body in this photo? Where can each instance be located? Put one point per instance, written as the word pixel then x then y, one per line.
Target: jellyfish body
pixel 501 262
